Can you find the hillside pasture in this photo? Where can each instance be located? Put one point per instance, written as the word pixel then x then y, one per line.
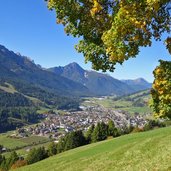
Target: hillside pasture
pixel 147 151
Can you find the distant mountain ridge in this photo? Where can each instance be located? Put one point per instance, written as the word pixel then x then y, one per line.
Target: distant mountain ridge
pixel 20 67
pixel 21 78
pixel 98 83
pixel 138 84
pixel 70 80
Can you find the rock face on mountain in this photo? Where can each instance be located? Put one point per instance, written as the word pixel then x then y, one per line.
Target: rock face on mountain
pixel 98 83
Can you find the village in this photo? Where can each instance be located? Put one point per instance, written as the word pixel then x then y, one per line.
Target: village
pixel 56 125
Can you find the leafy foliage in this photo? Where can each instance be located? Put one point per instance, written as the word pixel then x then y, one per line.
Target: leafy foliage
pixel 19 163
pixel 88 134
pixel 151 124
pixel 70 141
pixel 52 150
pixel 2 158
pixel 161 97
pixel 12 159
pixel 5 164
pixel 36 155
pixel 113 31
pixel 112 130
pixel 100 132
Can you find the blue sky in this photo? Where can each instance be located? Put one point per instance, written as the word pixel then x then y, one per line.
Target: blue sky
pixel 28 27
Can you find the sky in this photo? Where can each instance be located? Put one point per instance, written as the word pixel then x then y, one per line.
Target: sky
pixel 28 27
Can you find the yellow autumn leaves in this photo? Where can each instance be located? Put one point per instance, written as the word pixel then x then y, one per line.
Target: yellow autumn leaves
pixel 96 8
pixel 161 90
pixel 128 31
pixel 154 4
pixel 113 31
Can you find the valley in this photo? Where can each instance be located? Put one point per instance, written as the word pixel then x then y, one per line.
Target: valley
pixel 55 124
pixel 85 85
pixel 39 106
pixel 26 88
pixel 133 103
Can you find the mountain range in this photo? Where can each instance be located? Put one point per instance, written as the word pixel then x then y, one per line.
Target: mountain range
pixel 99 83
pixel 49 85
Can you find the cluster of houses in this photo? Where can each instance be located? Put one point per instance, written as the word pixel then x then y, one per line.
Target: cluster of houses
pixel 57 125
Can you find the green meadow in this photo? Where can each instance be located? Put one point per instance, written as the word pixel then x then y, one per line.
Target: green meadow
pixel 125 103
pixel 146 151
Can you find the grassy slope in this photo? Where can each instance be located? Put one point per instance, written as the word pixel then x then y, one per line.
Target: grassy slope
pixel 9 89
pixel 146 151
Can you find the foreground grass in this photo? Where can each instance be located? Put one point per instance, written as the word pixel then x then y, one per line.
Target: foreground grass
pixel 147 151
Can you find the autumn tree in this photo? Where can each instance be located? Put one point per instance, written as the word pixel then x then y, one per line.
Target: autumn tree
pixel 112 31
pixel 19 163
pixel 161 91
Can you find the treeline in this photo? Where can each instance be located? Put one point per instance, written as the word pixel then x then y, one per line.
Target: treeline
pixel 12 162
pixel 72 140
pixel 15 117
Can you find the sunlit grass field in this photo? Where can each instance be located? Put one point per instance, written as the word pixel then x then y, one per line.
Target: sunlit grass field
pixel 122 103
pixel 147 151
pixel 20 145
pixel 12 143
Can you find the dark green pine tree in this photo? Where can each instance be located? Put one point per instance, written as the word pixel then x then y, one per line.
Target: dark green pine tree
pixel 74 139
pixel 36 155
pixel 104 130
pixel 100 132
pixel 52 149
pixel 1 147
pixel 88 134
pixel 112 130
pixel 60 146
pixel 96 133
